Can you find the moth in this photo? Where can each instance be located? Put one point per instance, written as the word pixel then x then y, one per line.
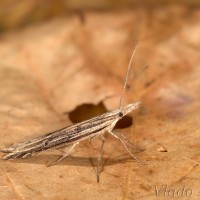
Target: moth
pixel 74 134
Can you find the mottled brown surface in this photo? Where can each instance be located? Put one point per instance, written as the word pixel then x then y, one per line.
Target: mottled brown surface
pixel 16 14
pixel 49 70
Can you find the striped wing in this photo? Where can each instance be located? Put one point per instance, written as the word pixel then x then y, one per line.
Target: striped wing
pixel 65 136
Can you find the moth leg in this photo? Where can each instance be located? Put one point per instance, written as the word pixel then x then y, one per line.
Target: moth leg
pixel 100 157
pixel 65 155
pixel 127 140
pixel 126 147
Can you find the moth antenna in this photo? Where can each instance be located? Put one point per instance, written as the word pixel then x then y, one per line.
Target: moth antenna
pixel 126 77
pixel 136 75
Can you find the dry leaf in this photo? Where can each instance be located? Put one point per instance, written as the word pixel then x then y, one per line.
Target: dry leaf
pixel 47 71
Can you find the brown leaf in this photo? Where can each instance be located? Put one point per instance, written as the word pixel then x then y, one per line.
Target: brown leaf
pixel 51 70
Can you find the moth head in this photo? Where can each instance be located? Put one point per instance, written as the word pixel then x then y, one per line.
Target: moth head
pixel 127 109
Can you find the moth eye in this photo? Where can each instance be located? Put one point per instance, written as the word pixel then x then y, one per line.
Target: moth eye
pixel 120 114
pixel 46 143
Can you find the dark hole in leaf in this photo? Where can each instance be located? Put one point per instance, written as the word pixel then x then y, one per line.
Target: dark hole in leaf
pixel 87 111
pixel 125 122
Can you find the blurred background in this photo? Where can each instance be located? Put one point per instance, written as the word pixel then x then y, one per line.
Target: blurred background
pixel 61 58
pixel 16 14
pixel 167 31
